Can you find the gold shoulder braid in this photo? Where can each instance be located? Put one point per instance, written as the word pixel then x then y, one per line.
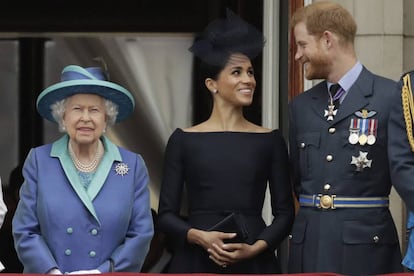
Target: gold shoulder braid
pixel 408 108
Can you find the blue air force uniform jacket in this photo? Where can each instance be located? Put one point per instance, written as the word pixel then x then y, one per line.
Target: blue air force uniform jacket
pixel 401 154
pixel 58 223
pixel 327 160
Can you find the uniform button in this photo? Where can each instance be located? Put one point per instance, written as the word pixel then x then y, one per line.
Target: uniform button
pixel 290 236
pixel 326 187
pixel 329 158
pixel 376 239
pixel 94 232
pixel 68 252
pixel 302 145
pixel 332 130
pixel 69 230
pixel 92 254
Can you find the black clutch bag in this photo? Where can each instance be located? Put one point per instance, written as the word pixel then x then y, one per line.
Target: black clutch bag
pixel 233 223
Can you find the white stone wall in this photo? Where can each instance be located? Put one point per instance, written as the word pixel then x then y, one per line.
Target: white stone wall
pixel 380 38
pixel 408 34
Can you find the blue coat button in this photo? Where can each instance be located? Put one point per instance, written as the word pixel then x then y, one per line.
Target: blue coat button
pixel 68 252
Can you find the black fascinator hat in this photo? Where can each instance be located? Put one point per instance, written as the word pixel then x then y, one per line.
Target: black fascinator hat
pixel 223 37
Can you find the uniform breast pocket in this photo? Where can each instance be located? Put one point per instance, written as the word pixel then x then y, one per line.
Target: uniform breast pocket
pixel 308 145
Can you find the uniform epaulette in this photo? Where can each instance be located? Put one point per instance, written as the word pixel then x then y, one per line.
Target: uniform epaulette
pixel 410 72
pixel 408 106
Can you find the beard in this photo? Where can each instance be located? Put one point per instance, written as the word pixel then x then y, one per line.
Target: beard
pixel 317 67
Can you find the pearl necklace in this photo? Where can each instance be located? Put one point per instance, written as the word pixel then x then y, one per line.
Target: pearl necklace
pixel 87 168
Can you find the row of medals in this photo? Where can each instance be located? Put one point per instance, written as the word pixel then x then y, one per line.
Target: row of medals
pixel 362 139
pixel 362 130
pixel 354 133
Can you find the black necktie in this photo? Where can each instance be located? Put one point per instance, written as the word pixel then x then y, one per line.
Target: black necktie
pixel 334 90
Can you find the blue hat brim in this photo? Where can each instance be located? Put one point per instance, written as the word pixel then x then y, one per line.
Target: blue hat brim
pixel 108 90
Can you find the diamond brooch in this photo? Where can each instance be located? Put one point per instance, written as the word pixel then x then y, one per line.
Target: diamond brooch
pixel 121 169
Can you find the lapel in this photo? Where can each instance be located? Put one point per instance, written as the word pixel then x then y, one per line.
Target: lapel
pixel 357 95
pixel 104 170
pixel 60 150
pixel 355 100
pixel 320 101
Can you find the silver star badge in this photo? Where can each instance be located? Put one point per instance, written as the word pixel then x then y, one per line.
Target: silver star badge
pixel 121 169
pixel 330 113
pixel 361 161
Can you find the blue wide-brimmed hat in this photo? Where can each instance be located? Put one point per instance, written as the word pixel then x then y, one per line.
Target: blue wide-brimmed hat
pixel 78 80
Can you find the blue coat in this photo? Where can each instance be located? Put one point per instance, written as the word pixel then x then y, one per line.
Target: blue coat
pixel 60 224
pixel 402 162
pixel 344 240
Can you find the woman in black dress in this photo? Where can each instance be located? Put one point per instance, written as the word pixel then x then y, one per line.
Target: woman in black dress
pixel 225 165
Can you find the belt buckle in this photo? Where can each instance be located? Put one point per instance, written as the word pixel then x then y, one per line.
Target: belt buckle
pixel 325 201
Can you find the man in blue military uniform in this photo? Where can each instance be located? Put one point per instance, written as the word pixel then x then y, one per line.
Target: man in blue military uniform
pixel 401 154
pixel 338 146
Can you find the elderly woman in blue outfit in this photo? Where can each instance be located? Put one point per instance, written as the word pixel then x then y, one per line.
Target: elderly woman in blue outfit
pixel 84 205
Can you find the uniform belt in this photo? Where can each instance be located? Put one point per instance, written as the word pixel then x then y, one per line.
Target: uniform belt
pixel 325 201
